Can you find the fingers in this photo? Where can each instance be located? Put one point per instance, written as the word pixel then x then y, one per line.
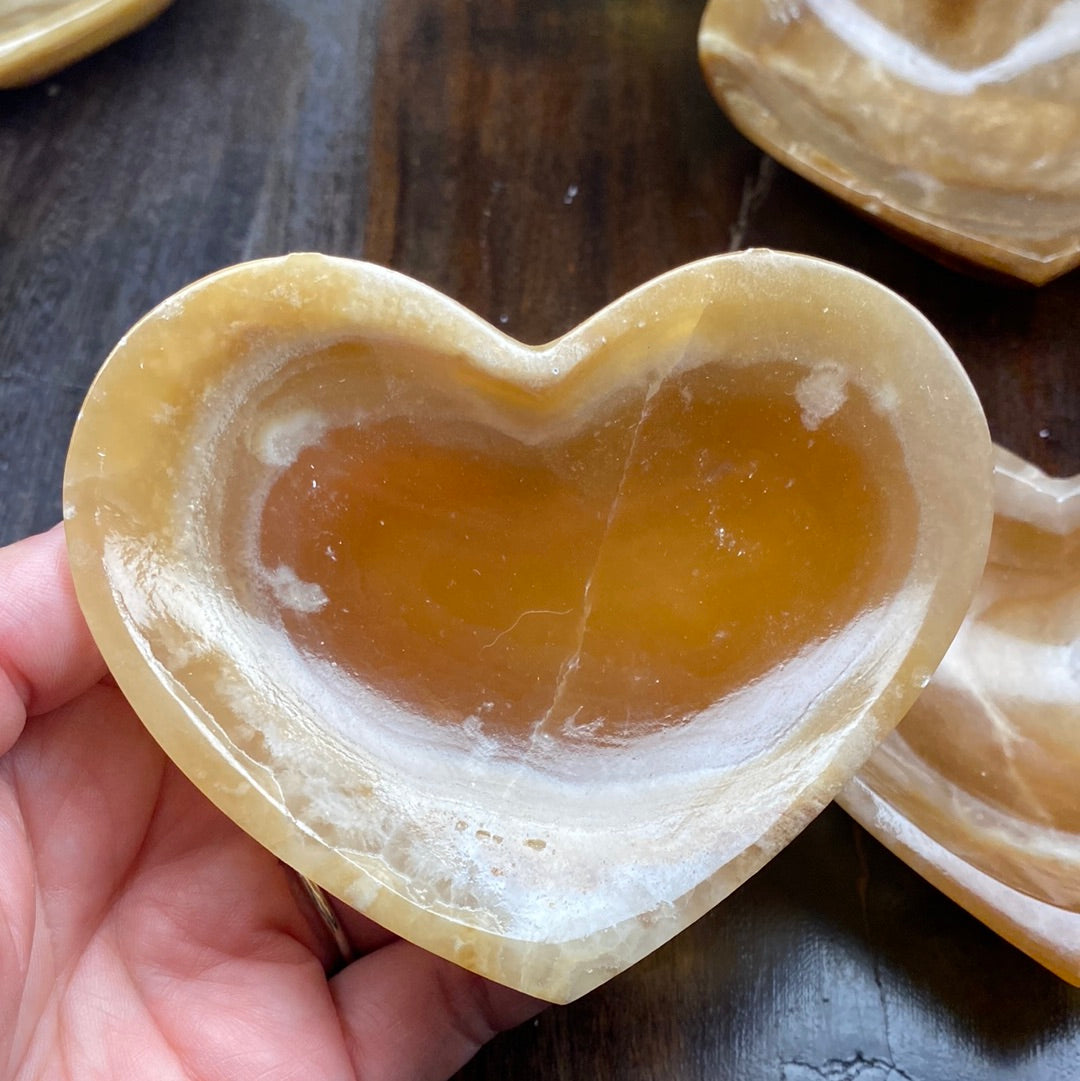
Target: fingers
pixel 47 656
pixel 410 1016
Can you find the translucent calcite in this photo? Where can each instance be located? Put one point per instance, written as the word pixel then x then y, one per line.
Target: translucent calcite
pixel 531 653
pixel 957 122
pixel 979 787
pixel 39 37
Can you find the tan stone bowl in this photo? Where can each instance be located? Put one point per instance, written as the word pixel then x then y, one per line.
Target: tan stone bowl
pixel 39 37
pixel 532 653
pixel 956 124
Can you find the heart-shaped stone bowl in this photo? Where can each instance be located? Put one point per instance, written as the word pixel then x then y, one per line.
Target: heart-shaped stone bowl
pixel 533 654
pixel 979 787
pixel 39 37
pixel 956 124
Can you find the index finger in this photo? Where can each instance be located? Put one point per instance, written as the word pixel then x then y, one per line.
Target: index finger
pixel 47 656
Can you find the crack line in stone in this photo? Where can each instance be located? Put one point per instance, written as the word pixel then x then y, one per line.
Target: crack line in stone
pixel 528 612
pixel 570 665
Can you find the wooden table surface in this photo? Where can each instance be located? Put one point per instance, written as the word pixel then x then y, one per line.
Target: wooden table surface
pixel 534 159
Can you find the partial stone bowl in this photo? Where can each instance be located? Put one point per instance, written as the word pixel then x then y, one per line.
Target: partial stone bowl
pixel 955 124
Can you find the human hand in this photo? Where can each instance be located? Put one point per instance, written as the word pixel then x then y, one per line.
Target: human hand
pixel 142 934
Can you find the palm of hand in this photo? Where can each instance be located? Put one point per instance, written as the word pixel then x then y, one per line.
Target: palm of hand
pixel 147 936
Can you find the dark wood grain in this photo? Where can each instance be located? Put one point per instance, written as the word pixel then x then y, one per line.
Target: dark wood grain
pixel 534 160
pixel 222 132
pixel 547 157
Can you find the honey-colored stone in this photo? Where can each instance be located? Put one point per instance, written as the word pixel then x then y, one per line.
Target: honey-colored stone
pixel 39 37
pixel 979 787
pixel 956 122
pixel 532 653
